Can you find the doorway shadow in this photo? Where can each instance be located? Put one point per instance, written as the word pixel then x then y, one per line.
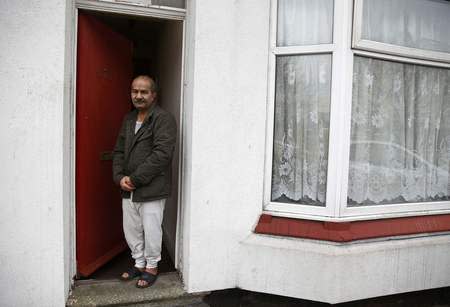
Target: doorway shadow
pixel 156 51
pixel 122 262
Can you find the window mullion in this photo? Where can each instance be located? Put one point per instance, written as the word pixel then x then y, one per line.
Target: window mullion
pixel 340 113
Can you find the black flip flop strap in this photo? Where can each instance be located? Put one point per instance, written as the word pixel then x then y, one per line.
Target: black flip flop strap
pixel 148 277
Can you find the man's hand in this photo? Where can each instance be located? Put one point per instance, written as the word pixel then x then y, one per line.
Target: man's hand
pixel 126 184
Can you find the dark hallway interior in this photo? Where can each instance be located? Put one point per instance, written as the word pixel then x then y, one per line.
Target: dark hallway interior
pixel 149 40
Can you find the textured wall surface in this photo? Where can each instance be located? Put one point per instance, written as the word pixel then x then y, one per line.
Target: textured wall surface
pixel 225 108
pixel 31 141
pixel 334 272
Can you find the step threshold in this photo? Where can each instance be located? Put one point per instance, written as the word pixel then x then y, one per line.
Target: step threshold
pixel 166 291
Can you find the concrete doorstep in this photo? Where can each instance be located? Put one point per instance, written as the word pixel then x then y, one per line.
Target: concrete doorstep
pixel 167 291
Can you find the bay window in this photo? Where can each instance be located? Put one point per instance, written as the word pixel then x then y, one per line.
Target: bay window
pixel 359 109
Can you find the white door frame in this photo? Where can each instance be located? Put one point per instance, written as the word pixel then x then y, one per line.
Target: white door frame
pixel 131 8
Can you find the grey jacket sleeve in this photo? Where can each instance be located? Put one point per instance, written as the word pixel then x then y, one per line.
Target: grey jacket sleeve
pixel 165 134
pixel 119 154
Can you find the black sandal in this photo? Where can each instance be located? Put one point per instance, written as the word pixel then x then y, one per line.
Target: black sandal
pixel 132 274
pixel 149 278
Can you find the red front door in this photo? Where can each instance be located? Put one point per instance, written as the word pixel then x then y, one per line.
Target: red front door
pixel 104 72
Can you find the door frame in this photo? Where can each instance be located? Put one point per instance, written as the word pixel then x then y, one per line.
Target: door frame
pixel 130 8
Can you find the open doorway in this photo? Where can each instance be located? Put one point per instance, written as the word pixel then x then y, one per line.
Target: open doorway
pixel 112 49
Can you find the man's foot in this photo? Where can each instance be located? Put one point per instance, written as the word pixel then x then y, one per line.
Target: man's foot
pixel 132 273
pixel 147 278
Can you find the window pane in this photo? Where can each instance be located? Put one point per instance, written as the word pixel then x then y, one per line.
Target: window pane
pixel 172 3
pixel 302 112
pixel 304 22
pixel 422 24
pixel 400 133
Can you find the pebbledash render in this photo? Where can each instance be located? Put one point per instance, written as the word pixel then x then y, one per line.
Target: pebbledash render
pixel 313 156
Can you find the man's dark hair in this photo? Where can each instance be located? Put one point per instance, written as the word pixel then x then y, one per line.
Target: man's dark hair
pixel 153 85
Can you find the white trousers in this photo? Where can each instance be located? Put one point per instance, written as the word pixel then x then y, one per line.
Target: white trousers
pixel 143 232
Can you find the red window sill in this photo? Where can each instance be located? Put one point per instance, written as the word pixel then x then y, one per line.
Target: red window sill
pixel 351 231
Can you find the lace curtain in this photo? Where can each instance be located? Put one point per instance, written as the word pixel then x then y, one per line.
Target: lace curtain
pixel 302 103
pixel 304 22
pixel 400 133
pixel 422 24
pixel 300 149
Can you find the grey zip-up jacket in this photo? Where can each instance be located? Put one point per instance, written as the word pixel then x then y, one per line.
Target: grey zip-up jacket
pixel 146 156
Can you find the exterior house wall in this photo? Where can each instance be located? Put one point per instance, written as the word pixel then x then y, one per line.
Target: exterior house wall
pixel 34 249
pixel 226 101
pixel 225 107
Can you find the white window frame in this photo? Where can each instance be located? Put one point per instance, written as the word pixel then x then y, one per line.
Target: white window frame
pixel 369 45
pixel 136 4
pixel 335 149
pixel 133 7
pixel 345 24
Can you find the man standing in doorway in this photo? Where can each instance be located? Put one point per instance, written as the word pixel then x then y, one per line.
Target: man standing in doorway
pixel 141 166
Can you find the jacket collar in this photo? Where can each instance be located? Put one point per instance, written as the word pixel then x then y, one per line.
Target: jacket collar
pixel 132 124
pixel 147 118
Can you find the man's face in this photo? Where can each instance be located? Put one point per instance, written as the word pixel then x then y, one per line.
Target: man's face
pixel 141 95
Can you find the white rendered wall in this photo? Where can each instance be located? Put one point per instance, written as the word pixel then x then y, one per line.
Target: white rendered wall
pixel 334 273
pixel 32 67
pixel 225 116
pixel 225 113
